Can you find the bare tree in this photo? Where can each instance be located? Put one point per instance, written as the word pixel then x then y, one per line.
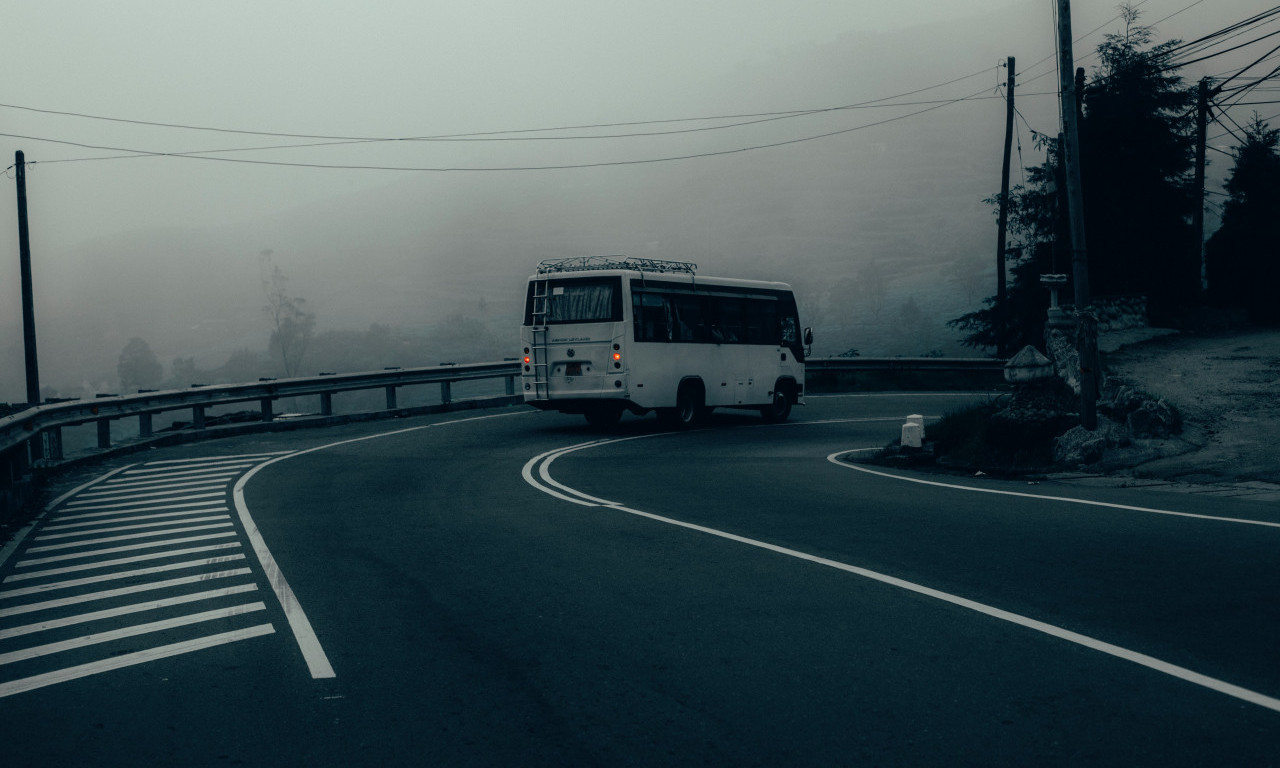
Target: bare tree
pixel 292 326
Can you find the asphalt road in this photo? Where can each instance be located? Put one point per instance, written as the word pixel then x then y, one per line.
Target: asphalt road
pixel 514 588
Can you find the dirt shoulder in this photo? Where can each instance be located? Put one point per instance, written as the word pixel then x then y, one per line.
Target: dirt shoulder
pixel 1227 386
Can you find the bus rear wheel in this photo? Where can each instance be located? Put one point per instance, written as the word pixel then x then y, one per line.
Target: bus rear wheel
pixel 777 411
pixel 603 415
pixel 689 410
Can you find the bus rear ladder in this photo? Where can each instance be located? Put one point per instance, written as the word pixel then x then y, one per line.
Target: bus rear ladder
pixel 538 341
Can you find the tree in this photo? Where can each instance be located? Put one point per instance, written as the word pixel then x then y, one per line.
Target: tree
pixel 1137 154
pixel 292 327
pixel 138 367
pixel 1241 258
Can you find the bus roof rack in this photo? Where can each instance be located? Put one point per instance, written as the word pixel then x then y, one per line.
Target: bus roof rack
pixel 584 263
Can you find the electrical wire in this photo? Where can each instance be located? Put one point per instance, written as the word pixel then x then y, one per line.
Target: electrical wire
pixel 566 166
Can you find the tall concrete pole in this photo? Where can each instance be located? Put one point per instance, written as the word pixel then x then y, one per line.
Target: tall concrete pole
pixel 1002 349
pixel 28 302
pixel 1197 213
pixel 1087 329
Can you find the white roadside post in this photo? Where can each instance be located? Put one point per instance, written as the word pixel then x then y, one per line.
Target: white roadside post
pixel 913 431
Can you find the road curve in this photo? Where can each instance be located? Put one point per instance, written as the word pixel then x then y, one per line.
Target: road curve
pixel 520 589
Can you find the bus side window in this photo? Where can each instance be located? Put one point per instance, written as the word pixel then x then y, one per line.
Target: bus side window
pixel 729 317
pixel 762 321
pixel 690 324
pixel 652 317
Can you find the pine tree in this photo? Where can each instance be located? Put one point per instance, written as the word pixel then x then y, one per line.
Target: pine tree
pixel 1242 259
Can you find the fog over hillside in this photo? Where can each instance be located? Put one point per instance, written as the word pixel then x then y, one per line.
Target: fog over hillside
pixel 882 230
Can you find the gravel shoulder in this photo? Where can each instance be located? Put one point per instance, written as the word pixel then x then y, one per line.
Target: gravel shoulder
pixel 1227 387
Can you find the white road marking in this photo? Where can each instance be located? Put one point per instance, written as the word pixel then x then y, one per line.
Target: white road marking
pixel 124 610
pixel 22 591
pixel 100 497
pixel 164 484
pixel 127 537
pixel 134 527
pixel 140 657
pixel 116 562
pixel 312 652
pixel 145 508
pixel 1043 497
pixel 75 507
pixel 1085 641
pixel 130 518
pixel 134 630
pixel 127 548
pixel 110 593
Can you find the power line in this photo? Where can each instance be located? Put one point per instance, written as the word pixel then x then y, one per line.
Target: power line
pixel 510 134
pixel 566 166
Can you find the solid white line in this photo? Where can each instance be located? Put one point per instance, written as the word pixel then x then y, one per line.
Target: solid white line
pixel 126 548
pixel 135 527
pixel 11 593
pixel 150 507
pixel 312 652
pixel 133 505
pixel 139 657
pixel 110 593
pixel 125 610
pixel 85 641
pixel 1042 497
pixel 117 562
pixel 53 547
pixel 1115 651
pixel 130 518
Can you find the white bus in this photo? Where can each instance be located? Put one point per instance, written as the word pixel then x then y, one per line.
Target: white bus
pixel 604 334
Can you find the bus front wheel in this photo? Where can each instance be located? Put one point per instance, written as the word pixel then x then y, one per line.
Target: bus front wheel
pixel 778 410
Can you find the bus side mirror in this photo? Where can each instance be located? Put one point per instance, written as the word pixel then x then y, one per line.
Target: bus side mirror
pixel 808 340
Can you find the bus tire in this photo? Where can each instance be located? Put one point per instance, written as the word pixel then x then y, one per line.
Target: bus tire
pixel 689 409
pixel 603 415
pixel 777 411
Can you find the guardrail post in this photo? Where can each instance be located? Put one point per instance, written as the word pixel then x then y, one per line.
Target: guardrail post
pixel 104 434
pixel 267 414
pixel 50 445
pixel 144 425
pixel 446 392
pixel 197 416
pixel 391 398
pixel 326 403
pixel 511 385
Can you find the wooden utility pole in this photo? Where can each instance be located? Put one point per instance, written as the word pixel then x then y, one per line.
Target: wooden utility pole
pixel 28 301
pixel 1197 213
pixel 1086 324
pixel 1002 348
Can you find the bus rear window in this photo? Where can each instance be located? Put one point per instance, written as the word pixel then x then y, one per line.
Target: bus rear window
pixel 578 301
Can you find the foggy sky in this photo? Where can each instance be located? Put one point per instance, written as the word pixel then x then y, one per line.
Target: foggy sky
pixel 405 69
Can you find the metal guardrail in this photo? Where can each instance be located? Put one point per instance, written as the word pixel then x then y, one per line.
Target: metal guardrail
pixel 31 438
